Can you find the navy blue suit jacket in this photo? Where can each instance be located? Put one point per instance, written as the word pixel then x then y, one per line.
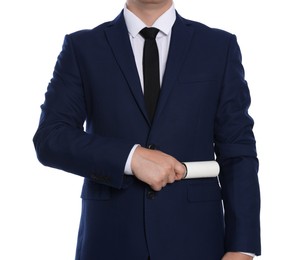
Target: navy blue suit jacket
pixel 202 114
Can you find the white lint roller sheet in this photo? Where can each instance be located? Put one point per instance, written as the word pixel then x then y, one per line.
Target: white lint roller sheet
pixel 202 169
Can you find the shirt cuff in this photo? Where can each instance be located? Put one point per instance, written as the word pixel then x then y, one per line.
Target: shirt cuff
pixel 249 254
pixel 128 169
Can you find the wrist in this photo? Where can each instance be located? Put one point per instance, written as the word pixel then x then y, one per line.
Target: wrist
pixel 128 165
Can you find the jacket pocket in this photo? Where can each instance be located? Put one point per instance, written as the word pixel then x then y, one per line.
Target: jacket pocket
pixel 204 190
pixel 95 191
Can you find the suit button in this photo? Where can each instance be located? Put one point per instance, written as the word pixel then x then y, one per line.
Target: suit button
pixel 151 146
pixel 151 194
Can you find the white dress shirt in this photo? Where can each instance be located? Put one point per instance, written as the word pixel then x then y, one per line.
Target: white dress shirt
pixel 164 23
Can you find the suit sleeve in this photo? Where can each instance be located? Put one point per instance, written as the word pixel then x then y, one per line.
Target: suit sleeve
pixel 60 140
pixel 236 153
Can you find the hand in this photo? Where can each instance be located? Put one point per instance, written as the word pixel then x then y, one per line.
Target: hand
pixel 236 256
pixel 156 168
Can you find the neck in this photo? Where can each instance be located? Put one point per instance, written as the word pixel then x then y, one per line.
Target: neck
pixel 148 12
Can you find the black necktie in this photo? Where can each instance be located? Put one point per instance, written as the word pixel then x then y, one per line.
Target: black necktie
pixel 151 73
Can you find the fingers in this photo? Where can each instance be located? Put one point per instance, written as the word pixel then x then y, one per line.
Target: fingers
pixel 158 186
pixel 180 171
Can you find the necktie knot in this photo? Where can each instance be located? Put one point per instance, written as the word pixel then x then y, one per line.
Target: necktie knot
pixel 149 33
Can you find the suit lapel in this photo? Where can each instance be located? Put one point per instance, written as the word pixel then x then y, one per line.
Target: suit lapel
pixel 179 45
pixel 118 38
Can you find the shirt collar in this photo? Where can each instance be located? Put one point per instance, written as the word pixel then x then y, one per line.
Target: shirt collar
pixel 164 23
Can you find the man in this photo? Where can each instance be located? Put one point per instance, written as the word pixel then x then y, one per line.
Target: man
pixel 136 202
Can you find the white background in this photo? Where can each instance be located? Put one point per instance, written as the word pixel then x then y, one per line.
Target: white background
pixel 40 207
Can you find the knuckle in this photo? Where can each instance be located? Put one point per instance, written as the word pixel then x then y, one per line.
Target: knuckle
pixel 171 180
